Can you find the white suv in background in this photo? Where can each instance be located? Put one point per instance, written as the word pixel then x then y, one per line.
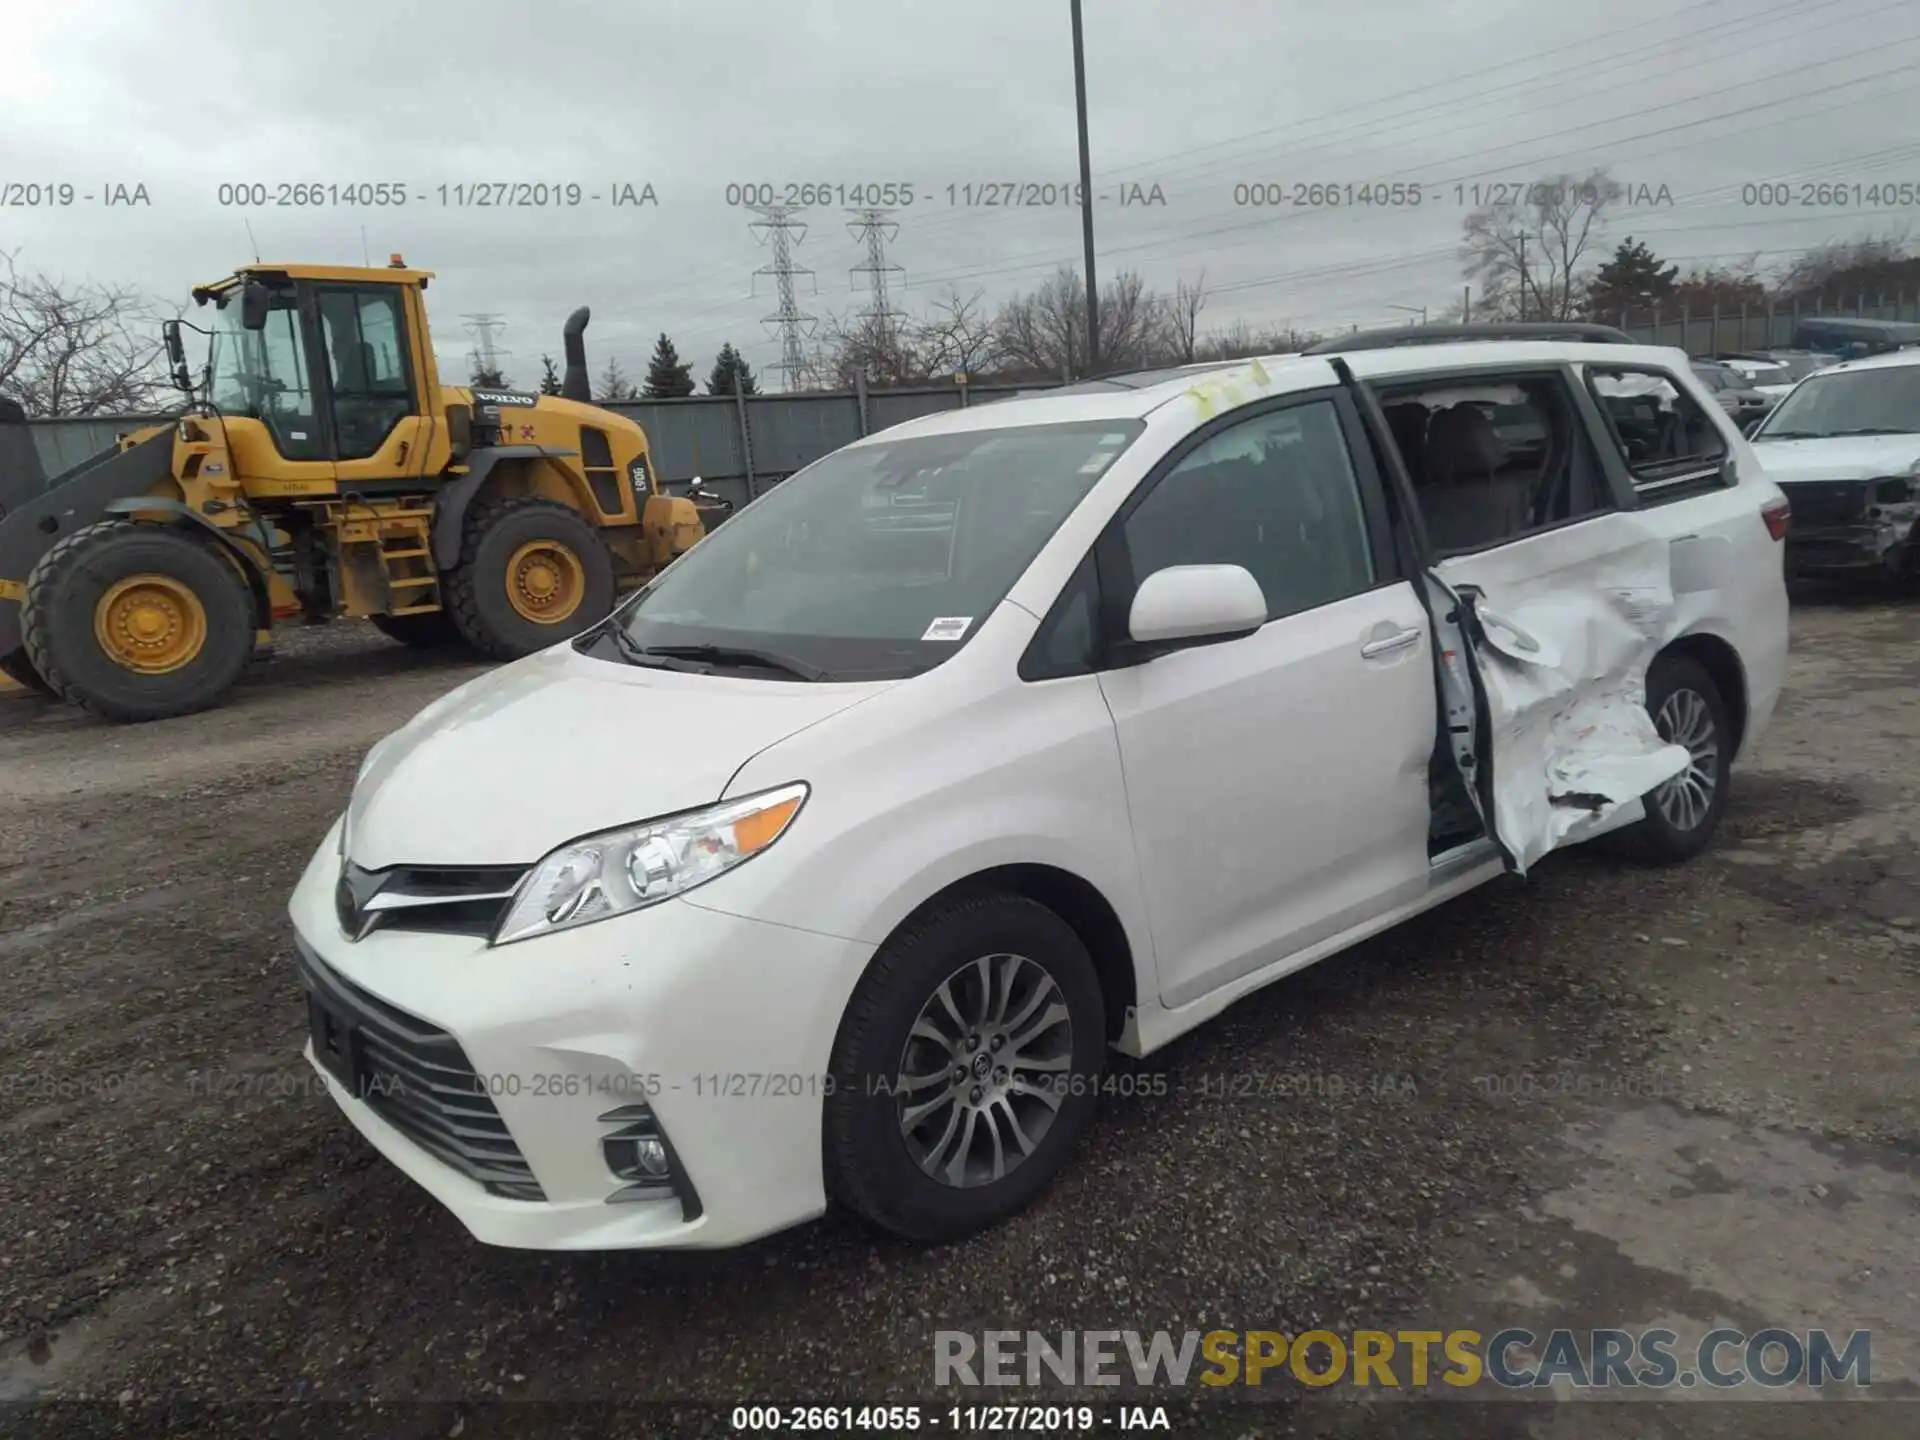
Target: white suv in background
pixel 1845 447
pixel 836 860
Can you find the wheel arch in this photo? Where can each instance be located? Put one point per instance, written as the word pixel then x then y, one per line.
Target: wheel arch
pixel 182 516
pixel 499 472
pixel 1716 655
pixel 1086 911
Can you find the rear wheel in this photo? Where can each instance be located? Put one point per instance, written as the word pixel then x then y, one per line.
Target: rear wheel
pixel 531 573
pixel 1684 812
pixel 18 667
pixel 432 630
pixel 137 622
pixel 966 1068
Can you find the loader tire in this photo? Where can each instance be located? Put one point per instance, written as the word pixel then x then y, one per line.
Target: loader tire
pixel 16 666
pixel 137 621
pixel 531 574
pixel 433 630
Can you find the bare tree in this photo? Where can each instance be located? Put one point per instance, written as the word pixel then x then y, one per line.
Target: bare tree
pixel 1183 317
pixel 956 336
pixel 1240 340
pixel 85 349
pixel 1844 268
pixel 874 346
pixel 1043 335
pixel 1528 252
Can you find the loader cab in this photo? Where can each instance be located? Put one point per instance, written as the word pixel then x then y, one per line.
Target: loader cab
pixel 335 366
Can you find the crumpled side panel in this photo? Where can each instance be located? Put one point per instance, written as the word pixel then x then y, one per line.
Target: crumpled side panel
pixel 1565 664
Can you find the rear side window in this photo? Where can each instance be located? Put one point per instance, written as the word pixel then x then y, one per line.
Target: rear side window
pixel 1669 443
pixel 1495 457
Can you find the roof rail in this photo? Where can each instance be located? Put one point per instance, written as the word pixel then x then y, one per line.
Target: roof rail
pixel 1577 330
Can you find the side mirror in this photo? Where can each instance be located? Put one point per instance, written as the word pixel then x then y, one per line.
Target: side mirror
pixel 176 355
pixel 1751 426
pixel 1185 604
pixel 255 301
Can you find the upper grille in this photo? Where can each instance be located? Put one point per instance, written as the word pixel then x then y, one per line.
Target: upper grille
pixel 416 1077
pixel 446 899
pixel 1826 502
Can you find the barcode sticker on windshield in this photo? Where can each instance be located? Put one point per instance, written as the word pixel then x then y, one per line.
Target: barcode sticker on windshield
pixel 948 627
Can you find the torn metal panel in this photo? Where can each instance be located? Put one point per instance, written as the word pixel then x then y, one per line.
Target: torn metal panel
pixel 1561 657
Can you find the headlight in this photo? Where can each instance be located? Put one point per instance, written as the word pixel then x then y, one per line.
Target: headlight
pixel 599 876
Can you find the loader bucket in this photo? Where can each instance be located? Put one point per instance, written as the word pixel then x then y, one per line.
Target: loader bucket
pixel 72 501
pixel 22 477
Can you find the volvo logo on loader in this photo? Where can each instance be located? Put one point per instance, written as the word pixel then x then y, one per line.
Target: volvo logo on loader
pixel 365 489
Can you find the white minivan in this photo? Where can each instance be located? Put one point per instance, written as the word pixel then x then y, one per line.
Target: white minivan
pixel 836 860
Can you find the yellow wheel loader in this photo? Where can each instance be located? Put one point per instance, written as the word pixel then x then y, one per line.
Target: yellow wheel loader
pixel 320 470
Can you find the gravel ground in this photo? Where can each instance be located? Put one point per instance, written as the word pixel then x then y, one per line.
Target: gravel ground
pixel 1605 1096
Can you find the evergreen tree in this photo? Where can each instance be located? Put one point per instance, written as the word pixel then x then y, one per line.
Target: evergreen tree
pixel 549 376
pixel 667 378
pixel 730 373
pixel 613 383
pixel 487 377
pixel 1633 279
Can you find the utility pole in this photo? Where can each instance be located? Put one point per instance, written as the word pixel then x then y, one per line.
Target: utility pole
pixel 788 321
pixel 1086 194
pixel 875 228
pixel 1523 276
pixel 485 356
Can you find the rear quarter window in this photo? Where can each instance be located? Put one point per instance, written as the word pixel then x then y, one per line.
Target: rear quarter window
pixel 1670 444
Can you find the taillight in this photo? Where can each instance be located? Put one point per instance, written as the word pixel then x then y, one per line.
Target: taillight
pixel 1777 515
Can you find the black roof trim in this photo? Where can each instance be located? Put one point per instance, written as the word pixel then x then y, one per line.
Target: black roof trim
pixel 1573 330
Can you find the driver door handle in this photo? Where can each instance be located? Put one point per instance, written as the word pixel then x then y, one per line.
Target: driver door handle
pixel 1374 649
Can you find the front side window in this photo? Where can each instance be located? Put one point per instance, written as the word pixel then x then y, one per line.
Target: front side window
pixel 1276 495
pixel 1850 402
pixel 262 375
pixel 364 332
pixel 880 560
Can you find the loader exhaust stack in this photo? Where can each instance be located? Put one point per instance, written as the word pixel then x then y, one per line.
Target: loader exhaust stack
pixel 574 384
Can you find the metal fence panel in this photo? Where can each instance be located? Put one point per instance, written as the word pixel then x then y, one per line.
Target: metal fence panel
pixel 696 436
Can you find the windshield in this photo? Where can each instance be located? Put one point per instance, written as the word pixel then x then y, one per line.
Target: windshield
pixel 879 560
pixel 262 374
pixel 1849 402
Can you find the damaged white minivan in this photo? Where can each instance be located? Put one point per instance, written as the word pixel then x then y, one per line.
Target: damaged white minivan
pixel 835 862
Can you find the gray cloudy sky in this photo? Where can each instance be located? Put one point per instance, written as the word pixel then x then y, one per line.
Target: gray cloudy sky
pixel 1196 96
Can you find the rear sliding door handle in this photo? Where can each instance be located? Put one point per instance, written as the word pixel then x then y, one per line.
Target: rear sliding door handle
pixel 1374 649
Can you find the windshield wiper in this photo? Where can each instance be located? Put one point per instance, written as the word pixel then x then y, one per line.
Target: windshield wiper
pixel 1789 435
pixel 1877 430
pixel 729 654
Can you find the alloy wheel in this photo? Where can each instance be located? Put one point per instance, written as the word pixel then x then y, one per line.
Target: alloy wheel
pixel 1685 719
pixel 986 1065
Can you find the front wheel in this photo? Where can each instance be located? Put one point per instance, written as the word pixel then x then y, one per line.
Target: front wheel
pixel 135 621
pixel 1683 813
pixel 967 1066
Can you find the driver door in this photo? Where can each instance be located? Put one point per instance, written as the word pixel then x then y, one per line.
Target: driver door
pixel 371 393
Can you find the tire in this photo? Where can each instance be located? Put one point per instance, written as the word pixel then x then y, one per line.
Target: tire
pixel 18 667
pixel 432 630
pixel 872 1167
pixel 1660 839
pixel 477 589
pixel 71 599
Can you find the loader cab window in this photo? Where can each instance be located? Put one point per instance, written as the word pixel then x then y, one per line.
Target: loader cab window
pixel 365 332
pixel 262 374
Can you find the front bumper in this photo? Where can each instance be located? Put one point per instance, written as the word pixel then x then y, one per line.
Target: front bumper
pixel 723 1026
pixel 1862 549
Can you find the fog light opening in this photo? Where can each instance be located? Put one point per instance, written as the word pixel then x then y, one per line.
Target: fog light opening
pixel 639 1154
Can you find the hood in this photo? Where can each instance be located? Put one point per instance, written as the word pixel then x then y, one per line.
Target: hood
pixel 1844 457
pixel 559 745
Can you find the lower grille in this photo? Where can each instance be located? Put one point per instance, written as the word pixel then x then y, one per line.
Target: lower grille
pixel 1827 502
pixel 416 1077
